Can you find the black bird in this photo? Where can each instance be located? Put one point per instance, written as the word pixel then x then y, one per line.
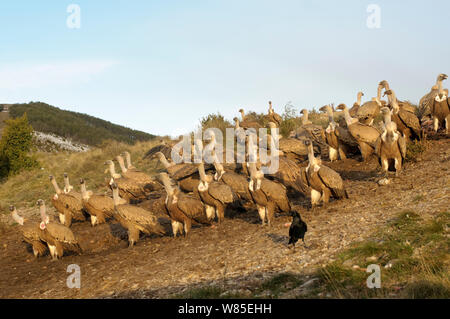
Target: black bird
pixel 297 229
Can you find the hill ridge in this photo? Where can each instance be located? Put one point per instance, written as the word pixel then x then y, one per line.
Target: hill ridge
pixel 79 127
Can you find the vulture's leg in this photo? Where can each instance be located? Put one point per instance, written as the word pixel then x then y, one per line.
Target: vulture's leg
pixel 133 235
pixel 270 211
pixel 187 227
pixel 262 213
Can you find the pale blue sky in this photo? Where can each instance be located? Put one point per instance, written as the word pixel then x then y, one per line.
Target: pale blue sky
pixel 159 66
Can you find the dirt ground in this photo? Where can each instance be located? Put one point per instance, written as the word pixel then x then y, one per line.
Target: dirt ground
pixel 237 254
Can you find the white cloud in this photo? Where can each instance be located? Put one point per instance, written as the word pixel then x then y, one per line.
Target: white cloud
pixel 20 76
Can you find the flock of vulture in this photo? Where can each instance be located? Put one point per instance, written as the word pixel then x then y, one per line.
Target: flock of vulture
pixel 198 193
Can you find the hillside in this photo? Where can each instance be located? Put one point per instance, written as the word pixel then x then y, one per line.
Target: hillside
pixel 241 258
pixel 78 127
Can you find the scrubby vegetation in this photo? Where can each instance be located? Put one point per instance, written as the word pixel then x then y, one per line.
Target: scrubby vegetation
pixel 414 149
pixel 215 121
pixel 15 147
pixel 79 127
pixel 291 119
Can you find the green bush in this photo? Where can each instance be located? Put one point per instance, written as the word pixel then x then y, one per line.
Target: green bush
pixel 215 121
pixel 415 149
pixel 15 145
pixel 290 120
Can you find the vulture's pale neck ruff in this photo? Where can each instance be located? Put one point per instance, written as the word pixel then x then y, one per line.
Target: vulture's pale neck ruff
pixel 67 186
pixel 348 119
pixel 358 101
pixel 305 117
pixel 389 135
pixel 121 163
pixel 219 169
pixel 380 87
pixel 393 101
pixel 164 160
pixel 112 170
pixel 331 123
pixel 44 217
pixel 314 162
pixel 441 96
pixel 116 198
pixel 128 159
pixel 242 114
pixel 255 175
pixel 55 186
pixel 270 108
pixel 18 219
pixel 204 180
pixel 84 193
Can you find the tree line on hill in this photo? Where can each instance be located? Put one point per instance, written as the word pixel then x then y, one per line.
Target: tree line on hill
pixel 78 127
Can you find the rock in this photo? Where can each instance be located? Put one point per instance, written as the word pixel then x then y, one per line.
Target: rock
pixel 347 263
pixel 384 181
pixel 372 258
pixel 309 283
pixel 391 263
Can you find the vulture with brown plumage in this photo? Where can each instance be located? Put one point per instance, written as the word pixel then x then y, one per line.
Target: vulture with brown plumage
pixel 99 207
pixel 440 107
pixel 391 145
pixel 135 219
pixel 30 232
pixel 407 122
pixel 147 182
pixel 68 206
pixel 183 210
pixel 365 135
pixel 129 189
pixel 322 180
pixel 273 117
pixel 58 237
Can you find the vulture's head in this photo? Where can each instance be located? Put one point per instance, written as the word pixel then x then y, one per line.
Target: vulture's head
pixel 385 110
pixel 65 175
pixel 387 92
pixel 341 106
pixel 383 83
pixel 81 181
pixel 442 77
pixel 40 202
pixel 307 142
pixel 326 108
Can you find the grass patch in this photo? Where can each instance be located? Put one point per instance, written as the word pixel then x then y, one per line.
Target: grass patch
pixel 279 284
pixel 24 189
pixel 208 292
pixel 413 257
pixel 415 149
pixel 423 289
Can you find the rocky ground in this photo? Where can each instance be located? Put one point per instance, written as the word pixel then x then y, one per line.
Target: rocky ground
pixel 238 254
